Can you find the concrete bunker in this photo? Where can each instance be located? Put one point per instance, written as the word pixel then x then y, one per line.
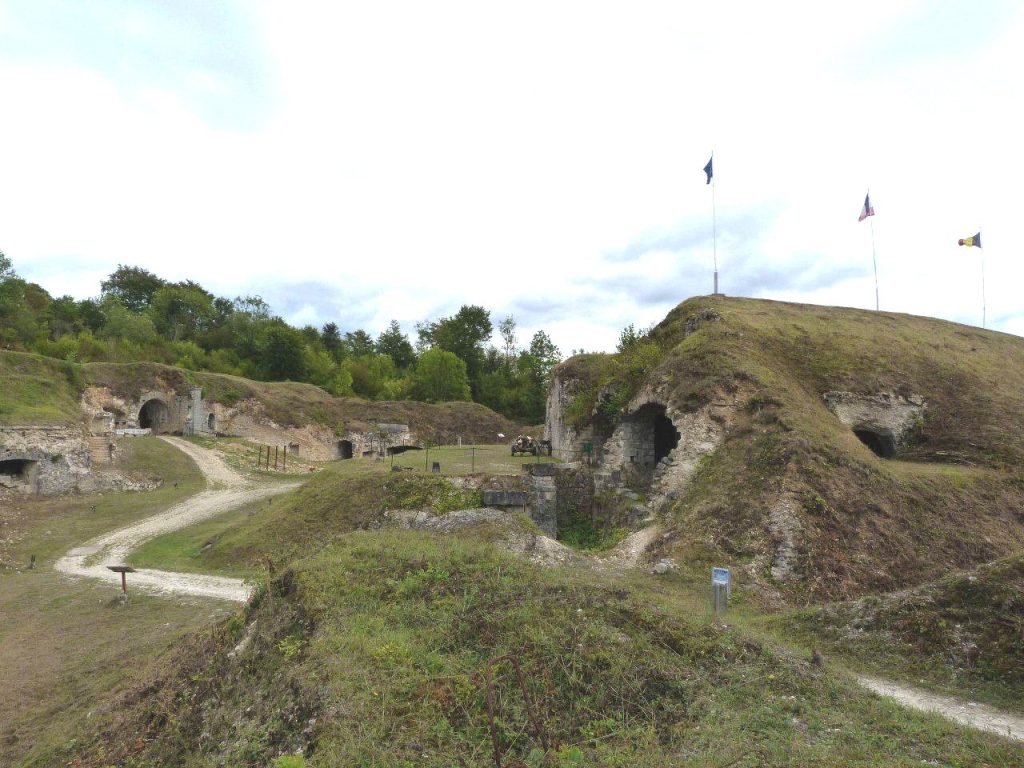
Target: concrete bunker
pixel 17 472
pixel 651 436
pixel 153 415
pixel 344 449
pixel 882 443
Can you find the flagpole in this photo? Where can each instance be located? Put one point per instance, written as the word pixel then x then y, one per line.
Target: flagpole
pixel 714 228
pixel 983 318
pixel 874 261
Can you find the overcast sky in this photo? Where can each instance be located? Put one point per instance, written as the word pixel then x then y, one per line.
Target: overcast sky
pixel 361 161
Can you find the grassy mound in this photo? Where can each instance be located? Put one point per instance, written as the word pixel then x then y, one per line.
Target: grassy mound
pixel 963 633
pixel 392 648
pixel 855 523
pixel 36 389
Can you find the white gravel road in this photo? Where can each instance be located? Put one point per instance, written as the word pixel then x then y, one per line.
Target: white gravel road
pixel 228 490
pixel 978 716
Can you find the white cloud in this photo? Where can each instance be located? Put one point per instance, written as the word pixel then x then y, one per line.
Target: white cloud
pixel 412 157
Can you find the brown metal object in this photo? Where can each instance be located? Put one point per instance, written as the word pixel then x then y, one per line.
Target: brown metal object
pixel 122 569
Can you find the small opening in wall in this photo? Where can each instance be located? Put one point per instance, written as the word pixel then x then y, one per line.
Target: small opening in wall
pixel 394 450
pixel 344 449
pixel 211 422
pixel 19 469
pixel 880 443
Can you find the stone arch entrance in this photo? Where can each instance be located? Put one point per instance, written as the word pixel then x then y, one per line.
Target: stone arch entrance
pixel 154 415
pixel 344 449
pixel 881 443
pixel 651 437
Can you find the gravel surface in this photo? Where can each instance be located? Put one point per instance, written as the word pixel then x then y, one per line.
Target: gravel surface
pixel 978 716
pixel 230 490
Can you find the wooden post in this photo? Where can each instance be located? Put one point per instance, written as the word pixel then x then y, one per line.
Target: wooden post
pixel 259 458
pixel 275 458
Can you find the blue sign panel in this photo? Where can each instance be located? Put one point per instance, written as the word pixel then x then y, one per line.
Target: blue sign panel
pixel 720 576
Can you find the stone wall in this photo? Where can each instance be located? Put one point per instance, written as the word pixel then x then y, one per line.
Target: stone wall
pixel 886 414
pixel 566 441
pixel 43 460
pixel 542 488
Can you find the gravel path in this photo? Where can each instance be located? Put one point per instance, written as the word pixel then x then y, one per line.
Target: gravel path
pixel 978 716
pixel 92 558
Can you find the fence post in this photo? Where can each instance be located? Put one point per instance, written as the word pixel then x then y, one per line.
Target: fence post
pixel 472 469
pixel 284 461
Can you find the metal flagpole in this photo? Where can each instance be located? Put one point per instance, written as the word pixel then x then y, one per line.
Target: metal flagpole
pixel 874 261
pixel 714 227
pixel 983 318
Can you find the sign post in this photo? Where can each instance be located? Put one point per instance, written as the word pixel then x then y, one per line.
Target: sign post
pixel 720 588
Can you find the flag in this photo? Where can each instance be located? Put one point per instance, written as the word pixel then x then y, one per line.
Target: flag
pixel 708 170
pixel 975 241
pixel 868 209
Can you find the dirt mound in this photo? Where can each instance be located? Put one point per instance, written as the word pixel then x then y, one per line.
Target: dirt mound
pixel 822 451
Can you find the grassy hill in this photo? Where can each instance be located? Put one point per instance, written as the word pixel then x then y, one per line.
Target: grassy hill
pixel 962 633
pixel 400 648
pixel 35 389
pixel 950 498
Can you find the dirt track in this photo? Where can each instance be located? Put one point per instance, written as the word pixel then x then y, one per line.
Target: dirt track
pixel 228 490
pixel 966 713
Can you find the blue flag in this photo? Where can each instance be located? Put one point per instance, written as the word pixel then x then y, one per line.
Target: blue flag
pixel 708 170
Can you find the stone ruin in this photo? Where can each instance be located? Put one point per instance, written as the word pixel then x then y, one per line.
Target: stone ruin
pixel 881 421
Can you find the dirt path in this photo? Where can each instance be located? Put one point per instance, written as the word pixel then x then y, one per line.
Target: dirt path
pixel 92 558
pixel 964 712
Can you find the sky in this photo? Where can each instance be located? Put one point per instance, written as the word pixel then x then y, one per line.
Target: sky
pixel 356 162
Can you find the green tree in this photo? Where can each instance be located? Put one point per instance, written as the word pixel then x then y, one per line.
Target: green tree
pixel 134 287
pixel 440 376
pixel 6 268
pixel 359 343
pixel 463 334
pixel 507 329
pixel 282 354
pixel 330 337
pixel 181 311
pixel 395 344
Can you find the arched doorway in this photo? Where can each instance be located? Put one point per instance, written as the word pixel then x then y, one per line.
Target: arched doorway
pixel 881 443
pixel 153 415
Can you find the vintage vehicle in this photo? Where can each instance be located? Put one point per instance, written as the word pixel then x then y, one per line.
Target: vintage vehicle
pixel 524 444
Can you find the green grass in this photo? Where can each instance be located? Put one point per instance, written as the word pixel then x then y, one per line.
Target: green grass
pixel 37 390
pixel 950 500
pixel 67 645
pixel 468 459
pixel 386 639
pixel 962 635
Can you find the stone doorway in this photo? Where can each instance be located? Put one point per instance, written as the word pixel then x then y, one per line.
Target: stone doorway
pixel 344 449
pixel 153 415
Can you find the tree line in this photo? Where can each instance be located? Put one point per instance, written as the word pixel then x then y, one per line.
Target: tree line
pixel 139 317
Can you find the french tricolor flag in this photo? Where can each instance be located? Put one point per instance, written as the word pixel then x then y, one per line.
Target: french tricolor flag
pixel 868 209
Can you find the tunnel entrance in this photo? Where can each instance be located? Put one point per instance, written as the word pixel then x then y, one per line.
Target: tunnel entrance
pixel 17 470
pixel 153 415
pixel 344 449
pixel 666 436
pixel 394 450
pixel 211 422
pixel 880 443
